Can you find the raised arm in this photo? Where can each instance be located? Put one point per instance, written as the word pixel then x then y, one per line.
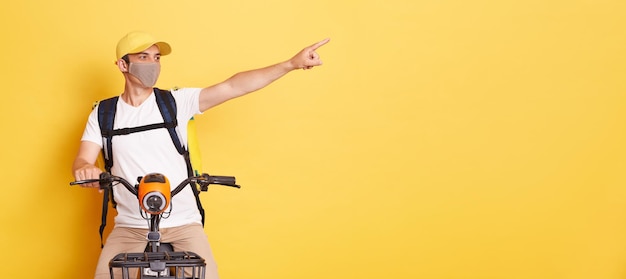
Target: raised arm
pixel 249 81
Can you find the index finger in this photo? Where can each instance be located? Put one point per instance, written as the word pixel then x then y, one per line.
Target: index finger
pixel 319 44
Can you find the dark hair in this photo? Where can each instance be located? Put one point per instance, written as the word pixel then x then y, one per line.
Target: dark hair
pixel 125 58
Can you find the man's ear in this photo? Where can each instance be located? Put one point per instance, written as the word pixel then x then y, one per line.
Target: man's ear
pixel 122 65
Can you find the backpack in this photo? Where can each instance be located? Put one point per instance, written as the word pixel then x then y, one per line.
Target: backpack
pixel 167 106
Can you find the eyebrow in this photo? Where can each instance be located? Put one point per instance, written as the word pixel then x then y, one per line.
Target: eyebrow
pixel 139 53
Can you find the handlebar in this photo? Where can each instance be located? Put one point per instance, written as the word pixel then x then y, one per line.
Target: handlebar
pixel 106 181
pixel 153 196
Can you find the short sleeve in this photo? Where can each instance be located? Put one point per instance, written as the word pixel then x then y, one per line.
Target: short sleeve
pixel 187 102
pixel 92 129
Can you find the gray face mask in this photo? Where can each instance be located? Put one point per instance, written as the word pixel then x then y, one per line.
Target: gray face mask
pixel 147 73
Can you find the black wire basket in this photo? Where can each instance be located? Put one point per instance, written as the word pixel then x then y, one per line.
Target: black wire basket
pixel 174 265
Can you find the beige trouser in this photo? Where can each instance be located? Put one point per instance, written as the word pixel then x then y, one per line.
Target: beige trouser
pixel 128 240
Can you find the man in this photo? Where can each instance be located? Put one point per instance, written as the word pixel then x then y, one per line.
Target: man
pixel 137 154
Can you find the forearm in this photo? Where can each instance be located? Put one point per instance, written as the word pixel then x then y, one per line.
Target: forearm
pixel 241 84
pixel 84 164
pixel 253 80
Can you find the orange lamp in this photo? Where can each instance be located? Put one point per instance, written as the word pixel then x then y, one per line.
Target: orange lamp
pixel 154 193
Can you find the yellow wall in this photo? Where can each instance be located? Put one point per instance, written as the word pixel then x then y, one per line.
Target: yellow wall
pixel 441 139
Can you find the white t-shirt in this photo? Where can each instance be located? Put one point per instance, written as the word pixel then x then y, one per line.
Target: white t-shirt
pixel 151 151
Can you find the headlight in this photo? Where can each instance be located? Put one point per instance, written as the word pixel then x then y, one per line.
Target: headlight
pixel 154 193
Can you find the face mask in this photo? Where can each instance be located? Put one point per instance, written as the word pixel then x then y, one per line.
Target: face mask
pixel 147 73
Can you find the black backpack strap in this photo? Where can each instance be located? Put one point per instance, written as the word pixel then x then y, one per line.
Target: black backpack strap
pixel 105 209
pixel 106 118
pixel 167 106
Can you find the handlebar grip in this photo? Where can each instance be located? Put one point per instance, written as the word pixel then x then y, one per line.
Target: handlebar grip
pixel 80 182
pixel 224 180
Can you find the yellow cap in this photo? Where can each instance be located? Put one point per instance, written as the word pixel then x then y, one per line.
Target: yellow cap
pixel 135 42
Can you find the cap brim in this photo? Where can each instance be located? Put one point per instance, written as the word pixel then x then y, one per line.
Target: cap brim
pixel 164 48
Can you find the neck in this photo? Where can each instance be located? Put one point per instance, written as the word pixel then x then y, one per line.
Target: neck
pixel 135 96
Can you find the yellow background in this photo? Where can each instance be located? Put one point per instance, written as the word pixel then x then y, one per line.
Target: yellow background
pixel 440 140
